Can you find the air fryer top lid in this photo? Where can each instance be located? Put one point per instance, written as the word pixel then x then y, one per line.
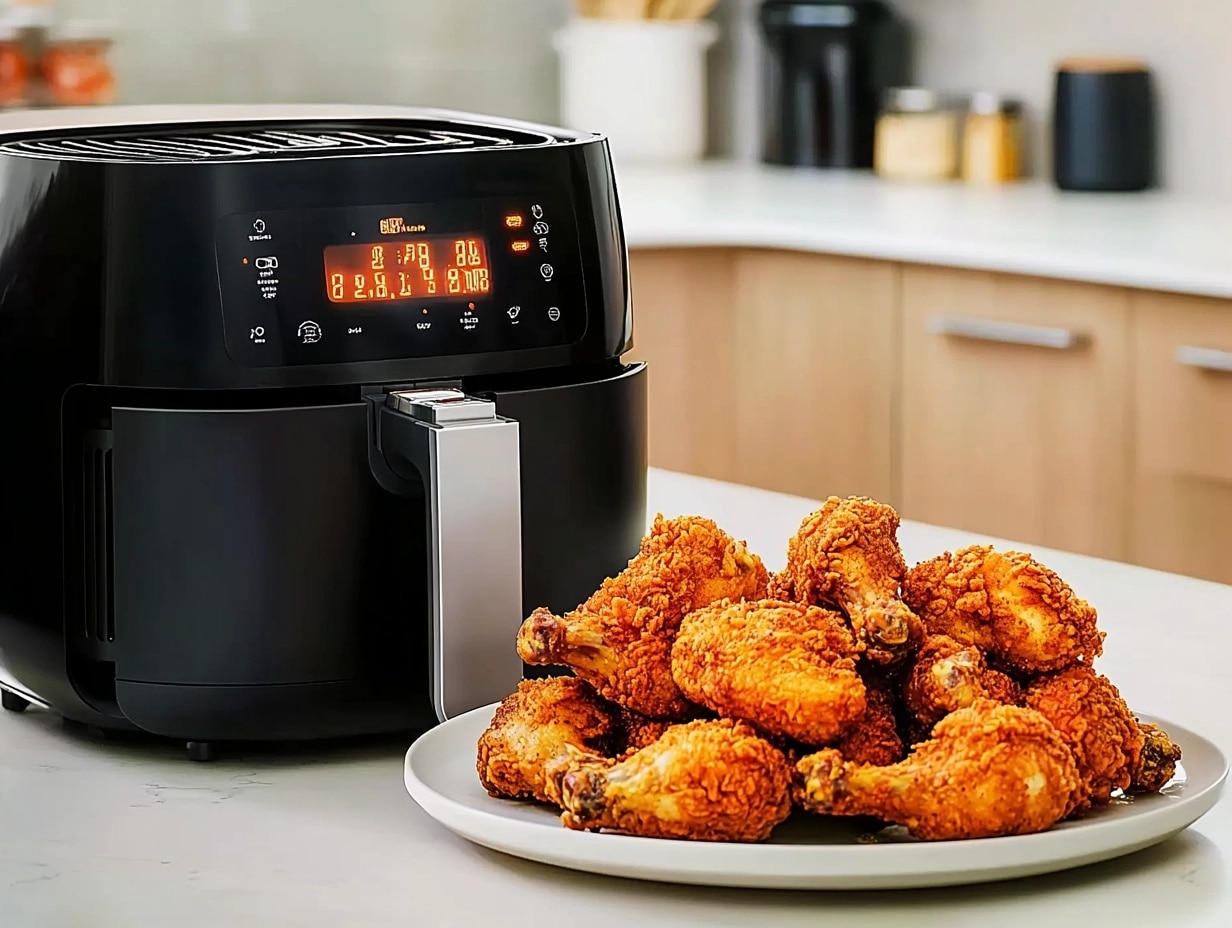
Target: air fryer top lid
pixel 202 133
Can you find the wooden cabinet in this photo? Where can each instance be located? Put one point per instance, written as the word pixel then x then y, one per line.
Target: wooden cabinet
pixel 772 369
pixel 1182 487
pixel 1014 408
pixel 682 327
pixel 815 374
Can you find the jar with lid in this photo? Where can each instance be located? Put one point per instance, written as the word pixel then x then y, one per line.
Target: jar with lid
pixel 992 140
pixel 74 64
pixel 14 67
pixel 917 135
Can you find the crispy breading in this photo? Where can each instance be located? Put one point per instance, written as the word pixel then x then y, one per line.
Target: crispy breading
pixel 620 639
pixel 946 675
pixel 988 770
pixel 532 725
pixel 1156 762
pixel 1006 604
pixel 708 780
pixel 786 668
pixel 1094 721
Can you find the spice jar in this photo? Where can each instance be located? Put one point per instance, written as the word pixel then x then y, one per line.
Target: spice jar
pixel 14 68
pixel 992 140
pixel 917 136
pixel 75 67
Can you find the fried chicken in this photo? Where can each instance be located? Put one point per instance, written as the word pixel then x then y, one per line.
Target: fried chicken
pixel 988 770
pixel 1008 605
pixel 1156 762
pixel 702 780
pixel 638 732
pixel 620 639
pixel 786 668
pixel 946 675
pixel 846 553
pixel 874 738
pixel 1092 718
pixel 534 724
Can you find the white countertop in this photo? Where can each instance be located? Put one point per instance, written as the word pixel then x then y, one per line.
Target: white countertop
pixel 111 835
pixel 1152 240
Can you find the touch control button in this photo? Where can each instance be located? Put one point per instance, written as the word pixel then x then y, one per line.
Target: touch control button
pixel 553 313
pixel 547 271
pixel 309 332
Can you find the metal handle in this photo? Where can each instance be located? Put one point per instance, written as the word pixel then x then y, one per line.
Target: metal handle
pixel 1208 359
pixel 1013 333
pixel 469 460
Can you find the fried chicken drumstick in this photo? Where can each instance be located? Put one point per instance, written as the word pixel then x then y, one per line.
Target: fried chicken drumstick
pixel 786 668
pixel 703 780
pixel 620 639
pixel 534 724
pixel 1007 604
pixel 946 676
pixel 846 553
pixel 1156 762
pixel 988 770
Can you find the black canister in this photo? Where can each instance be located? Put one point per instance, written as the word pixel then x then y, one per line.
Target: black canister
pixel 1104 125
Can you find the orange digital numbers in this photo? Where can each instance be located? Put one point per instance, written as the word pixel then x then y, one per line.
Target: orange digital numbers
pixel 514 221
pixel 441 266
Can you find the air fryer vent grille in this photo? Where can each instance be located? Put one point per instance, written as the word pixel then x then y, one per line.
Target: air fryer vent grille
pixel 244 144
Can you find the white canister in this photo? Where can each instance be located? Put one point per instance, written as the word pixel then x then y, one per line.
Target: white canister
pixel 642 83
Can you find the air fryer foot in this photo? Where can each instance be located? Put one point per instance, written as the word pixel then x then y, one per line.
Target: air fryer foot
pixel 13 702
pixel 200 750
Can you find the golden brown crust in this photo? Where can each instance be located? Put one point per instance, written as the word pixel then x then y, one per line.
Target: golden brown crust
pixel 1156 762
pixel 1092 718
pixel 946 675
pixel 1008 605
pixel 532 725
pixel 704 781
pixel 785 668
pixel 988 770
pixel 874 738
pixel 620 639
pixel 847 554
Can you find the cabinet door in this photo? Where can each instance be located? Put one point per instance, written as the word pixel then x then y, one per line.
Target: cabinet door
pixel 1015 408
pixel 682 328
pixel 815 373
pixel 1182 513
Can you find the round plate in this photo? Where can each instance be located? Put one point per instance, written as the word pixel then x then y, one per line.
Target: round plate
pixel 807 851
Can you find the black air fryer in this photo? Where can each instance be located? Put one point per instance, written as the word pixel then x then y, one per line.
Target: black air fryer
pixel 303 410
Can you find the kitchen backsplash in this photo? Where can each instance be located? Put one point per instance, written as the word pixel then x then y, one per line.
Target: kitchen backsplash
pixel 496 56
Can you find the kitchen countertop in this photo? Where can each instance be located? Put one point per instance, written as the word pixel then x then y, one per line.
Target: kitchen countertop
pixel 127 835
pixel 1151 240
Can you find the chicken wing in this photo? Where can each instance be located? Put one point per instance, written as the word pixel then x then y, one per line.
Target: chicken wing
pixel 620 639
pixel 1008 605
pixel 786 668
pixel 846 553
pixel 703 780
pixel 1092 718
pixel 532 725
pixel 946 675
pixel 1156 762
pixel 988 770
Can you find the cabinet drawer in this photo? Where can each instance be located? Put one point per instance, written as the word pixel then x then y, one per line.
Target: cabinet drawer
pixel 1015 408
pixel 1182 517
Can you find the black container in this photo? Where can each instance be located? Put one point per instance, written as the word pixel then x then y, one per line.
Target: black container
pixel 1104 132
pixel 828 64
pixel 216 523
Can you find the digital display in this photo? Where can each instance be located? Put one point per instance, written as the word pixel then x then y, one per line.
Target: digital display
pixel 453 266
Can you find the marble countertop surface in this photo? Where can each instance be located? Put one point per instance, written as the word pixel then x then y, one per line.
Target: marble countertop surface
pixel 115 834
pixel 1151 240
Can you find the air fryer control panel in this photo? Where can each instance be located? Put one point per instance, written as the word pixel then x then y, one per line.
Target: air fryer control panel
pixel 405 280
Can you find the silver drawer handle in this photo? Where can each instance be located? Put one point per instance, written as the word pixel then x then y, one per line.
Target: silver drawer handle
pixel 1013 333
pixel 1208 359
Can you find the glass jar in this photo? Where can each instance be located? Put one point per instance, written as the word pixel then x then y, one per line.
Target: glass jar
pixel 917 136
pixel 992 140
pixel 14 68
pixel 75 67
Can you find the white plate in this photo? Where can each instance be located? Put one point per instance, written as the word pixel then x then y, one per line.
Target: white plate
pixel 806 852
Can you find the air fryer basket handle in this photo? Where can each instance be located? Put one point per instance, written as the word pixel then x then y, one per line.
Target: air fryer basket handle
pixel 468 458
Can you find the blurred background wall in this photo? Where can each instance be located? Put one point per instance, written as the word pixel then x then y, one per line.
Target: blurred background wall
pixel 496 56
